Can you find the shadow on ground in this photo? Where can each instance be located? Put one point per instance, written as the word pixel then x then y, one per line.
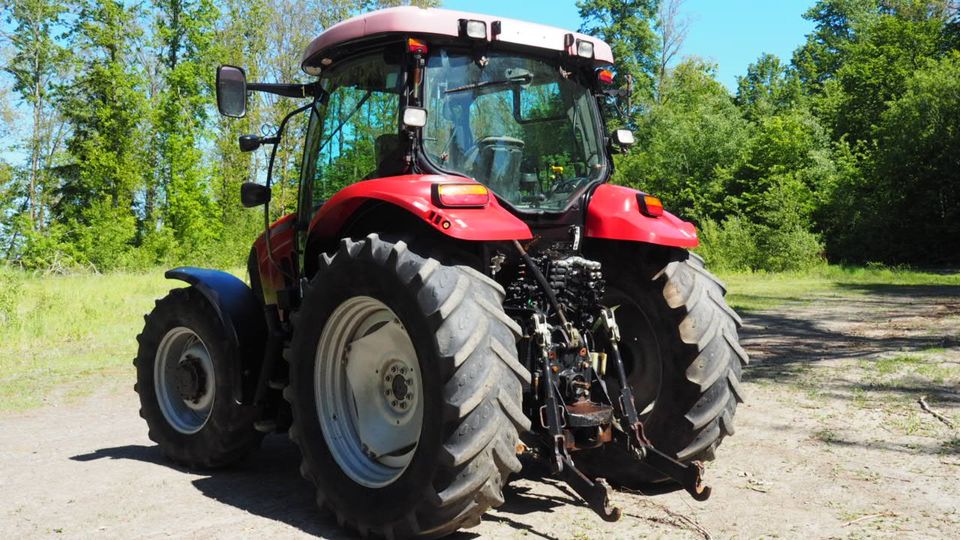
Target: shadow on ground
pixel 268 484
pixel 784 342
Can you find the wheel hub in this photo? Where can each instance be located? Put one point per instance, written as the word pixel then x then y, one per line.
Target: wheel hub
pixel 191 379
pixel 398 386
pixel 184 380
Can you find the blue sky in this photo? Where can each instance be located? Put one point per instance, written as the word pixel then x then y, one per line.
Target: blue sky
pixel 731 33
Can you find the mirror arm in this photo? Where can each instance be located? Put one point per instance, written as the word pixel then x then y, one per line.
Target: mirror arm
pixel 266 207
pixel 285 90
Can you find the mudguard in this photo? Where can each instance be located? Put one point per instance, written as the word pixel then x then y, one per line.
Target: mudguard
pixel 412 193
pixel 614 214
pixel 241 316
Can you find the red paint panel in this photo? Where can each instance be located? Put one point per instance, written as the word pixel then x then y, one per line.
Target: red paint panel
pixel 412 193
pixel 282 243
pixel 614 214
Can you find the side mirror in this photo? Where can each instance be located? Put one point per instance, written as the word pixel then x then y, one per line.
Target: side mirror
pixel 622 138
pixel 231 91
pixel 253 194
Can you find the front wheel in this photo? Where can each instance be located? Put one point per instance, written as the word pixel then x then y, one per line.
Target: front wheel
pixel 405 389
pixel 186 368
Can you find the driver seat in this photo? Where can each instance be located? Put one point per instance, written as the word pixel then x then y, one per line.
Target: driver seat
pixel 497 165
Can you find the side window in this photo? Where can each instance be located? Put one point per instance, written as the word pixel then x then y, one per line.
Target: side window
pixel 356 132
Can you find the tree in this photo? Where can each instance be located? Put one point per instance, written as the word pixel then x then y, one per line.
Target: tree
pixel 685 144
pixel 627 25
pixel 36 60
pixel 769 87
pixel 918 169
pixel 103 105
pixel 672 30
pixel 819 59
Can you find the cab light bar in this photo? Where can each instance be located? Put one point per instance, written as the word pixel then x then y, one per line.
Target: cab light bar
pixel 460 195
pixel 650 206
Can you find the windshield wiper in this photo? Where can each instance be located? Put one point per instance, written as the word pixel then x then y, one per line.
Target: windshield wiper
pixel 520 79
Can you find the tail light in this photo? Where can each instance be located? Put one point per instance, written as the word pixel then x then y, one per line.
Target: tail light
pixel 605 76
pixel 460 195
pixel 650 206
pixel 417 46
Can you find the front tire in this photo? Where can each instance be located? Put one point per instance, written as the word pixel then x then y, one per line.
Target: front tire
pixel 444 325
pixel 185 372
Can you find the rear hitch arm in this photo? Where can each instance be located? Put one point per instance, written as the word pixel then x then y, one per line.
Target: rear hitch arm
pixel 595 493
pixel 689 476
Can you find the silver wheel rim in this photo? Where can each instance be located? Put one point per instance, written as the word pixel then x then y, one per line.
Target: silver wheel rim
pixel 183 379
pixel 365 358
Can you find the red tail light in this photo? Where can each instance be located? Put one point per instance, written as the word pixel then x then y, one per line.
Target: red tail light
pixel 605 76
pixel 460 195
pixel 649 205
pixel 417 46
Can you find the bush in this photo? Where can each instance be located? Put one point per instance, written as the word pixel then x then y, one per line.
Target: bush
pixel 729 246
pixel 736 245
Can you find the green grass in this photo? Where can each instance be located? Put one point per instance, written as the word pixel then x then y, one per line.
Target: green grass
pixel 63 337
pixel 760 290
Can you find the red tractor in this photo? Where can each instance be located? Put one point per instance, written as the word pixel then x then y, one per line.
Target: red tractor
pixel 459 287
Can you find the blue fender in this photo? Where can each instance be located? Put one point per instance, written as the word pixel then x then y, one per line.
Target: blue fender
pixel 241 316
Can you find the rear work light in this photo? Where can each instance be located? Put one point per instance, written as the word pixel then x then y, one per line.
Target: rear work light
pixel 417 46
pixel 650 206
pixel 584 48
pixel 460 195
pixel 473 29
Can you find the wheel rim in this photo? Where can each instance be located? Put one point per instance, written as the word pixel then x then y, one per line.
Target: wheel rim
pixel 183 378
pixel 369 392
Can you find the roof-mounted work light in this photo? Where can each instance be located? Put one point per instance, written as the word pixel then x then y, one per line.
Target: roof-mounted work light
pixel 584 48
pixel 473 29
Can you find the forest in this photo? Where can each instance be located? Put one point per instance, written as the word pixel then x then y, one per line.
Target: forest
pixel 848 152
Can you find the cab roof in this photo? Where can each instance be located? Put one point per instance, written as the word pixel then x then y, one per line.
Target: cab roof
pixel 443 22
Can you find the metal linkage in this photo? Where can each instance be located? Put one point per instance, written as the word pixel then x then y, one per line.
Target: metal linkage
pixel 595 493
pixel 690 477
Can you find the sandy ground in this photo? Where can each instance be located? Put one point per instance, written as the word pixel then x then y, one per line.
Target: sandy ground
pixel 830 443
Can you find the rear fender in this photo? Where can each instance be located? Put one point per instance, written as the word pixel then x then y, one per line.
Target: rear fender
pixel 241 317
pixel 412 193
pixel 614 214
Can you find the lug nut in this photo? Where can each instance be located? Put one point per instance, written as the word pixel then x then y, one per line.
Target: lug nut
pixel 409 396
pixel 403 404
pixel 393 369
pixel 388 377
pixel 387 392
pixel 393 403
pixel 403 370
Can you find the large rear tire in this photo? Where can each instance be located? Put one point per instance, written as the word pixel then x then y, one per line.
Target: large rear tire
pixel 186 368
pixel 683 358
pixel 374 310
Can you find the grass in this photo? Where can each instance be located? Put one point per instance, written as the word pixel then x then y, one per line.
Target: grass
pixel 63 337
pixel 761 290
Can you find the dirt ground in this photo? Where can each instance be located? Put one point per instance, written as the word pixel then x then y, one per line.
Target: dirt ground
pixel 831 442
